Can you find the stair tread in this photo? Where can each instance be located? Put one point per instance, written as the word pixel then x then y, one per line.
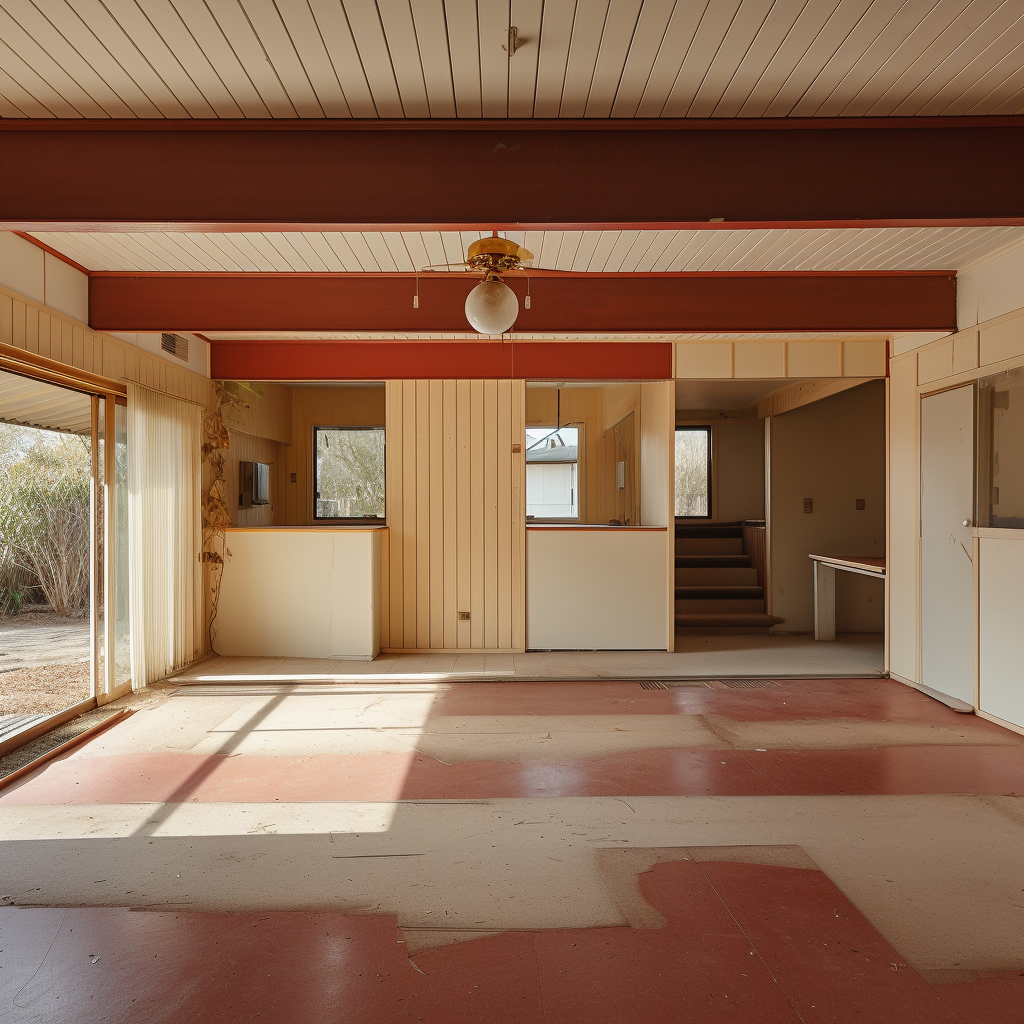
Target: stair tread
pixel 727 619
pixel 711 593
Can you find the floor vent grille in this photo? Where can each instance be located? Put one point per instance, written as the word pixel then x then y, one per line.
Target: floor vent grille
pixel 652 684
pixel 746 684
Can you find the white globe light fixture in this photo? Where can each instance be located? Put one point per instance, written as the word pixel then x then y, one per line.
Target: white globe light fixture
pixel 492 307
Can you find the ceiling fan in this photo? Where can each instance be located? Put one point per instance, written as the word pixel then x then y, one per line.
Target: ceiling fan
pixel 491 307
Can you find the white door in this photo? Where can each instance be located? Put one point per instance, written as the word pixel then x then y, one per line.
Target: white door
pixel 947 569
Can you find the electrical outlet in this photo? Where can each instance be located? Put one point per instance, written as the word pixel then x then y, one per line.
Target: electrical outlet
pixel 517 449
pixel 463 616
pixel 295 477
pixel 808 505
pixel 861 504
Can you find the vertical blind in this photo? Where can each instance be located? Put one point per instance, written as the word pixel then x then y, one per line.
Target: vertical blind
pixel 165 533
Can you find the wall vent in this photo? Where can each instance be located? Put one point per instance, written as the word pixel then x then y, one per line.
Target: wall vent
pixel 175 345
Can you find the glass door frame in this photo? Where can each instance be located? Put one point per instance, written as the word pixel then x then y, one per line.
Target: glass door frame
pixel 106 686
pixel 105 396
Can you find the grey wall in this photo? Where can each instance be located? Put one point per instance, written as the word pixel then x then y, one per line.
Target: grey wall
pixel 832 451
pixel 740 466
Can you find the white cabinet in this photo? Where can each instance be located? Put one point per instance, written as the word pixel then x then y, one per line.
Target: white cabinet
pixel 1001 641
pixel 302 592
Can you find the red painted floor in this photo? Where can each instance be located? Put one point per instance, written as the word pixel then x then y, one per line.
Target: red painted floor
pixel 978 766
pixel 793 699
pixel 744 943
pixel 175 777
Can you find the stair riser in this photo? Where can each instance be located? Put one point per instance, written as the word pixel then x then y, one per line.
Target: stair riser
pixel 709 531
pixel 716 577
pixel 688 607
pixel 723 631
pixel 709 545
pixel 712 561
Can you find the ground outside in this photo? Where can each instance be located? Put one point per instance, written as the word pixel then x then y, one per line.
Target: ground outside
pixel 817 851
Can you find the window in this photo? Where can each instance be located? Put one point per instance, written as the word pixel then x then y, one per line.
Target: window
pixel 693 472
pixel 552 473
pixel 348 479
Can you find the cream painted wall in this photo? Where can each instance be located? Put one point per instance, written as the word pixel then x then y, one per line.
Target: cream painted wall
pixel 903 567
pixel 981 349
pixel 22 268
pixel 41 277
pixel 992 289
pixel 832 451
pixel 740 468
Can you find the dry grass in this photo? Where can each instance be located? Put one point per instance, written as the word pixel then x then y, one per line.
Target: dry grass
pixel 44 689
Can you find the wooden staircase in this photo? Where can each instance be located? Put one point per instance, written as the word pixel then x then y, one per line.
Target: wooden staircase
pixel 717 585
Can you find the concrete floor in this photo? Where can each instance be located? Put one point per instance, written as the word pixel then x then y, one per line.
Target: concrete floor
pixel 815 850
pixel 695 657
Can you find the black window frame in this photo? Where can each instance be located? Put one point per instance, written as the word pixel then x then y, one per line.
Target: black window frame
pixel 314 475
pixel 706 428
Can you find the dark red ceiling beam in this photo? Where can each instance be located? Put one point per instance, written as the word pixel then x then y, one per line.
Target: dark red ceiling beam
pixel 488 360
pixel 591 303
pixel 299 175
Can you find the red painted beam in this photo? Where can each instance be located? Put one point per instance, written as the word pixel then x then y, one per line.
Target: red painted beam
pixel 592 303
pixel 488 360
pixel 301 175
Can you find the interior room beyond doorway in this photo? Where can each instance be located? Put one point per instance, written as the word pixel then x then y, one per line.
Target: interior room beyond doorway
pixel 768 473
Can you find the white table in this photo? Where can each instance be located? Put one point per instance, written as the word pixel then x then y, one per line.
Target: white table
pixel 825 567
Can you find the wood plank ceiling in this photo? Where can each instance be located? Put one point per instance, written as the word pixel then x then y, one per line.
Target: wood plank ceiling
pixel 631 251
pixel 449 58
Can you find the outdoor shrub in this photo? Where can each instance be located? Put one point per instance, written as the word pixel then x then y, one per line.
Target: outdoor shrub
pixel 44 519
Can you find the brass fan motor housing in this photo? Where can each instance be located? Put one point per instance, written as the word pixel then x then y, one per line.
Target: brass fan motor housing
pixel 496 254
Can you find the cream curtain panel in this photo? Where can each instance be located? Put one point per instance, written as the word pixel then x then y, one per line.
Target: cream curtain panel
pixel 165 533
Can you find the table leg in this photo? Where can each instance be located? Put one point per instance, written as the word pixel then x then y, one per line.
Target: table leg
pixel 824 601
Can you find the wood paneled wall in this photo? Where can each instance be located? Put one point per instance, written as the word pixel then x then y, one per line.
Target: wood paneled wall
pixel 347 406
pixel 250 448
pixel 265 411
pixel 456 508
pixel 35 328
pixel 596 410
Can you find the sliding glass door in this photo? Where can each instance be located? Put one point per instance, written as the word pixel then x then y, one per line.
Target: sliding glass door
pixel 63 550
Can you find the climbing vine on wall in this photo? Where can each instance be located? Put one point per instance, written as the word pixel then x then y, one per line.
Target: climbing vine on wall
pixel 216 511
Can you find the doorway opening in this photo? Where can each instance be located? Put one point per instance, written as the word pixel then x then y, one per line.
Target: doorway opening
pixel 64 595
pixel 769 473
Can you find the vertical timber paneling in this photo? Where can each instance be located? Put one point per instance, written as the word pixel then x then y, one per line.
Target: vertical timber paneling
pixel 450 613
pixel 455 515
pixel 464 509
pixel 43 331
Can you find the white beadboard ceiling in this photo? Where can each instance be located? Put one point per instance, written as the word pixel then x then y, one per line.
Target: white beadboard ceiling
pixel 765 249
pixel 445 58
